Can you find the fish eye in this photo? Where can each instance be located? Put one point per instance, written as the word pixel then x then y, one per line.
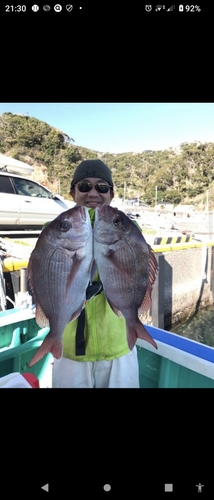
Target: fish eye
pixel 117 221
pixel 65 226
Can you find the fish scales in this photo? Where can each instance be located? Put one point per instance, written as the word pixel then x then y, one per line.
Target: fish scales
pixel 59 267
pixel 127 268
pixel 59 272
pixel 130 282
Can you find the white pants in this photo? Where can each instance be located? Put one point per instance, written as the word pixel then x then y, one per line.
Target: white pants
pixel 122 372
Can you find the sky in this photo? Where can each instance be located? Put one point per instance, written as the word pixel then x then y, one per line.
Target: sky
pixel 124 127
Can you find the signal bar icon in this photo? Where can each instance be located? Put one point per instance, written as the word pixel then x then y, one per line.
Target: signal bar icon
pixel 170 8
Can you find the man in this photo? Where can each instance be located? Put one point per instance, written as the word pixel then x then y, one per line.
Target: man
pixel 95 349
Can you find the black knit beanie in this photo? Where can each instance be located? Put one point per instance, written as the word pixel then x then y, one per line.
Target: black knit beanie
pixel 92 168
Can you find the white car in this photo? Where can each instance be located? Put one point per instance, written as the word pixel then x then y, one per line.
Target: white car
pixel 26 204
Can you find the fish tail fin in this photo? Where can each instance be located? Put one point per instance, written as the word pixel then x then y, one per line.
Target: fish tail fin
pixel 48 345
pixel 138 331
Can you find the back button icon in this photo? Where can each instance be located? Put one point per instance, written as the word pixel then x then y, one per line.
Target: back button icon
pixel 45 487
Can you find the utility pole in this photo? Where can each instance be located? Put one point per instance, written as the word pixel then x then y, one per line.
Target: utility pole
pixel 156 196
pixel 209 217
pixel 124 195
pixel 207 201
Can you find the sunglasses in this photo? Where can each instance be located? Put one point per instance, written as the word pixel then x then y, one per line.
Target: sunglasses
pixel 85 187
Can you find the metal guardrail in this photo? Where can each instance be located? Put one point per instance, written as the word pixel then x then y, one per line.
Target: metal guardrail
pixel 10 264
pixel 20 234
pixel 166 240
pixel 169 247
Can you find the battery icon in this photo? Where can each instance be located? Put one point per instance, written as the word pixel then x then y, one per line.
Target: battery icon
pixel 181 8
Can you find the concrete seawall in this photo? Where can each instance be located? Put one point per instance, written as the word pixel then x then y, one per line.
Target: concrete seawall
pixel 185 282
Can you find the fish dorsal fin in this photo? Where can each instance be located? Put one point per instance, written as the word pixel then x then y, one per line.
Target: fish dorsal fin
pixel 30 274
pixel 153 270
pixel 40 316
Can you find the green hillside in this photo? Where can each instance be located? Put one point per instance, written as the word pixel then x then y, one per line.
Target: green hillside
pixel 181 175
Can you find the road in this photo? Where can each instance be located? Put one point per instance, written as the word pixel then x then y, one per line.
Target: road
pixel 199 226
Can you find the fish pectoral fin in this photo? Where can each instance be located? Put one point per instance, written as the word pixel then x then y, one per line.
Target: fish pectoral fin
pixel 74 269
pixel 40 316
pixel 153 270
pixel 119 266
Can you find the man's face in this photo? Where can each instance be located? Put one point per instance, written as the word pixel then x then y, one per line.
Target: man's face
pixel 92 198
